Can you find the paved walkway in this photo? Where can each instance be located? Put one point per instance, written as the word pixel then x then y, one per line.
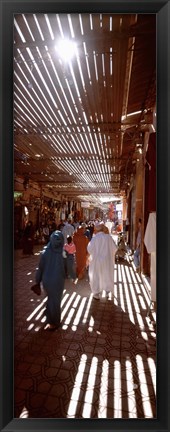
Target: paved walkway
pixel 101 363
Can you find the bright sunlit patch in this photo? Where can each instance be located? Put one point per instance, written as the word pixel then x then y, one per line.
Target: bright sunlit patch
pixel 24 413
pixel 117 390
pixel 66 49
pixel 37 328
pixel 90 389
pixel 40 314
pixel 152 368
pixel 121 296
pixel 77 386
pixel 140 321
pixel 30 326
pixel 68 304
pixel 102 413
pixel 143 306
pixel 130 390
pixel 131 114
pixel 144 335
pixel 127 296
pixel 78 314
pixel 87 309
pixel 143 387
pixel 69 316
pixel 91 324
pixel 140 289
pixel 115 287
pixel 36 309
pixel 154 316
pixel 153 334
pixel 135 290
pixel 72 310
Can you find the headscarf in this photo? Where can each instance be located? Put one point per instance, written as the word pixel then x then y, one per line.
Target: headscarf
pixel 56 241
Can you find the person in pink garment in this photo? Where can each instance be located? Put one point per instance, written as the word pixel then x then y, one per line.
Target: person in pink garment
pixel 70 250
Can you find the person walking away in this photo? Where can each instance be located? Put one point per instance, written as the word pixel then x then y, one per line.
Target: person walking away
pixel 28 239
pixel 68 230
pixel 60 225
pixel 46 233
pixel 109 225
pixel 81 242
pixel 70 250
pixel 136 257
pixel 87 232
pixel 91 228
pixel 51 272
pixel 101 249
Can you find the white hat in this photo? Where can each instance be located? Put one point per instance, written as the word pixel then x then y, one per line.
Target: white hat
pixel 99 226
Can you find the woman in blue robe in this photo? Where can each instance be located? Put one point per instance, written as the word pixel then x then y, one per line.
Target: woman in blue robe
pixel 51 272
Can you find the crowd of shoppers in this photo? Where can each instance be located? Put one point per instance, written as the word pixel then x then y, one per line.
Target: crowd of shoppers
pixel 71 252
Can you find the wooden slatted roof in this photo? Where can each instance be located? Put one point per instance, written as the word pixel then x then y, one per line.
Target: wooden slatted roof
pixel 72 124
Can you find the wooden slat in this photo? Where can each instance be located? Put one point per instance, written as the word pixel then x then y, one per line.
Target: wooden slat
pixel 55 27
pixel 65 25
pixel 89 100
pixel 33 26
pixel 24 30
pixel 60 153
pixel 36 92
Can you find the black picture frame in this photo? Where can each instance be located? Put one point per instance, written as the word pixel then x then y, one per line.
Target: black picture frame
pixel 7 9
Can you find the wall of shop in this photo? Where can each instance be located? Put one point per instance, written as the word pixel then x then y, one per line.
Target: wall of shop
pixel 42 207
pixel 149 191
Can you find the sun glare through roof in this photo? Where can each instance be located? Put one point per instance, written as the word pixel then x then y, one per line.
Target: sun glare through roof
pixel 66 49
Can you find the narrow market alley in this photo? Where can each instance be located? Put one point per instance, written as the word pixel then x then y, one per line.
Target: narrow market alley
pixel 101 362
pixel 85 153
pixel 85 174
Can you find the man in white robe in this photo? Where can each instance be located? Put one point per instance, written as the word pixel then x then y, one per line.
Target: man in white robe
pixel 101 249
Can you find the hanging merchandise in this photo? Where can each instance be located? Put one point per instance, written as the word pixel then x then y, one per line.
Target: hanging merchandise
pixel 63 214
pixel 151 163
pixel 68 209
